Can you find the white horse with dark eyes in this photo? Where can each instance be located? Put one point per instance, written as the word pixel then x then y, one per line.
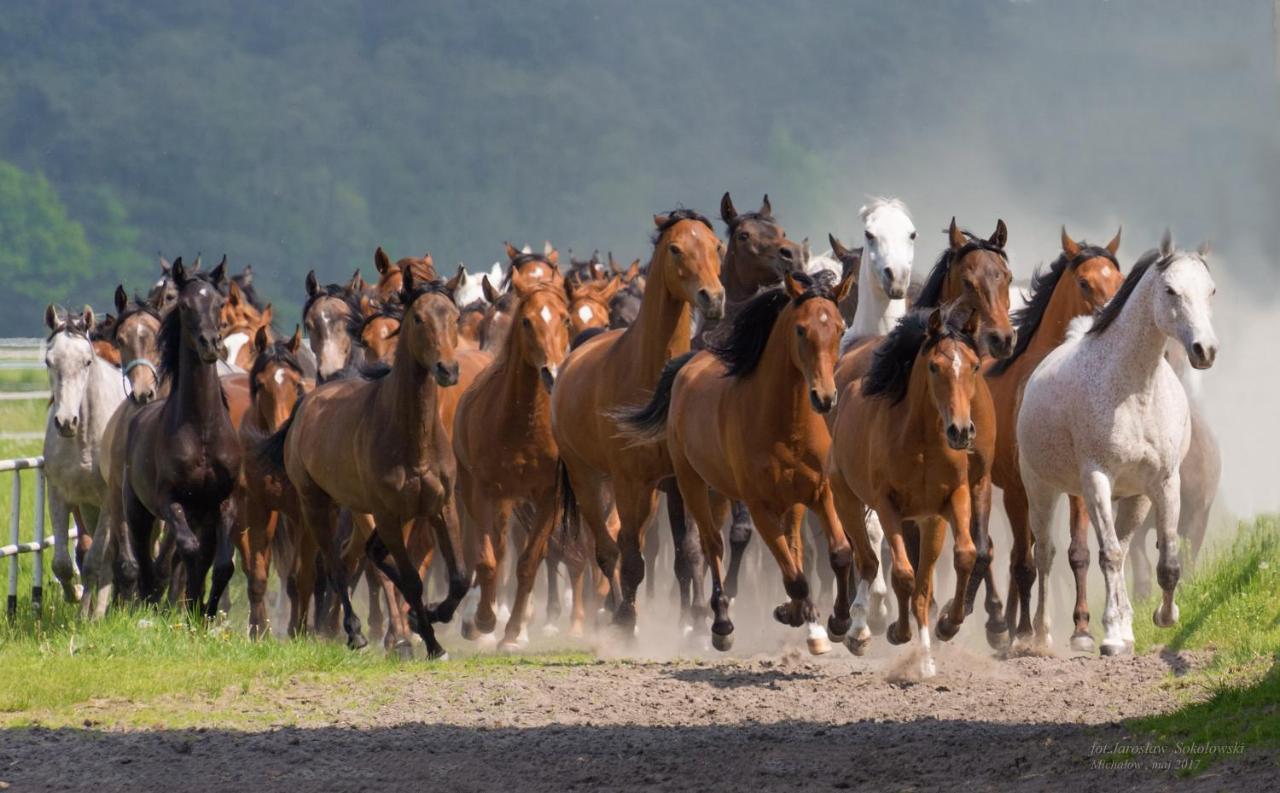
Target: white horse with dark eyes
pixel 1105 417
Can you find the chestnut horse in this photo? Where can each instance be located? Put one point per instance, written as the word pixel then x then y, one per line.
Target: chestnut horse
pixel 925 400
pixel 377 446
pixel 182 458
pixel 390 276
pixel 619 368
pixel 589 302
pixel 1078 283
pixel 743 423
pixel 505 451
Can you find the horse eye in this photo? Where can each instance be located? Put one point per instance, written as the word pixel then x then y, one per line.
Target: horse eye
pixel 913 235
pixel 742 236
pixel 525 321
pixel 800 331
pixel 933 367
pixel 1170 290
pixel 871 237
pixel 675 249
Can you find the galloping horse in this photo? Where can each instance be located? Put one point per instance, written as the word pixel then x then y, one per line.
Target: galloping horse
pixel 505 451
pixel 924 400
pixel 743 423
pixel 86 390
pixel 377 446
pixel 1104 417
pixel 619 368
pixel 1078 283
pixel 332 316
pixel 182 458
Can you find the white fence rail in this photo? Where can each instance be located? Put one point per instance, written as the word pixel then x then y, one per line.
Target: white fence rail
pixel 37 545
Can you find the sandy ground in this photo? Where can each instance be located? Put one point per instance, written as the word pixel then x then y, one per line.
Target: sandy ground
pixel 784 722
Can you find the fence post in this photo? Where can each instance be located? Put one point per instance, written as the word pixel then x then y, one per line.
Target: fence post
pixel 14 519
pixel 37 575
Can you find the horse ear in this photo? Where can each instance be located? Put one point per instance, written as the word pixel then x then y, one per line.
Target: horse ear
pixel 1203 249
pixel 406 282
pixel 766 208
pixel 611 289
pixel 845 286
pixel 794 287
pixel 934 328
pixel 453 283
pixel 381 261
pixel 613 266
pixel 552 255
pixel 122 299
pixel 633 271
pixel 267 316
pixel 851 264
pixel 313 285
pixel 164 263
pixel 663 219
pixel 178 273
pixel 547 248
pixel 1114 245
pixel 1069 246
pixel 490 293
pixel 89 319
pixel 356 284
pixel 804 250
pixel 261 339
pixel 195 268
pixel 219 274
pixel 246 275
pixel 727 213
pixel 234 295
pixel 837 247
pixel 1166 243
pixel 295 341
pixel 512 253
pixel 51 317
pixel 1001 235
pixel 954 236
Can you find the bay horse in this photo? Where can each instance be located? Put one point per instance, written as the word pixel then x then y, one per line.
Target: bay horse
pixel 332 317
pixel 376 446
pixel 1104 417
pixel 182 458
pixel 619 368
pixel 742 422
pixel 390 276
pixel 85 389
pixel 505 450
pixel 1078 283
pixel 924 399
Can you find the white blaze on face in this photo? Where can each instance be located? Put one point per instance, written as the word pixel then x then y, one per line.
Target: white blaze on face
pixel 955 363
pixel 584 313
pixel 279 377
pixel 823 317
pixel 545 313
pixel 233 343
pixel 204 290
pixel 535 271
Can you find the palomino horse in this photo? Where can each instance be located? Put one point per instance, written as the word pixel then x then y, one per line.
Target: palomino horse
pixel 619 368
pixel 1078 283
pixel 86 390
pixel 505 451
pixel 276 383
pixel 182 458
pixel 376 446
pixel 742 423
pixel 1104 417
pixel 925 400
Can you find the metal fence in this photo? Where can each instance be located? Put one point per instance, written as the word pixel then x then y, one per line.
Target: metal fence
pixel 36 546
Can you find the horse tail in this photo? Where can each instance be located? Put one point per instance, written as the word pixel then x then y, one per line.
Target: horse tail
pixel 270 452
pixel 570 519
pixel 648 423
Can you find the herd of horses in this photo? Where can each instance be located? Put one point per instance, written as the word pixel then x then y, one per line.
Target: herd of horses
pixel 746 380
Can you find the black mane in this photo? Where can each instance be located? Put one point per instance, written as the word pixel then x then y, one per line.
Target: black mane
pixel 890 373
pixel 169 338
pixel 754 323
pixel 1027 319
pixel 278 353
pixel 677 215
pixel 410 296
pixel 1115 305
pixel 355 318
pixel 931 293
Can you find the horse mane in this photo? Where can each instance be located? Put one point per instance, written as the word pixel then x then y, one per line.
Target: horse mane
pixel 677 215
pixel 890 372
pixel 1028 318
pixel 73 324
pixel 879 202
pixel 355 318
pixel 474 307
pixel 278 353
pixel 421 288
pixel 584 337
pixel 1115 305
pixel 931 293
pixel 137 306
pixel 753 325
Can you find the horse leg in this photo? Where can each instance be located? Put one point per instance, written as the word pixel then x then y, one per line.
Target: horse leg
pixel 531 556
pixel 636 504
pixel 1022 571
pixel 878 608
pixel 779 538
pixel 708 511
pixel 137 566
pixel 965 560
pixel 63 567
pixel 84 534
pixel 652 548
pixel 552 565
pixel 593 505
pixel 840 557
pixel 851 515
pixel 932 533
pixel 393 539
pixel 740 532
pixel 1130 513
pixel 904 577
pixel 1097 496
pixel 187 547
pixel 489 548
pixel 304 578
pixel 1042 499
pixel 983 575
pixel 1140 562
pixel 255 540
pixel 319 523
pixel 1078 557
pixel 91 569
pixel 1166 500
pixel 689 563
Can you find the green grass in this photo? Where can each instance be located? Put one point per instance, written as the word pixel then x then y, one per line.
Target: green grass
pixel 1231 606
pixel 33 379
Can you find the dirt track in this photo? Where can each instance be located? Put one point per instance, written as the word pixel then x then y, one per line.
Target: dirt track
pixel 782 723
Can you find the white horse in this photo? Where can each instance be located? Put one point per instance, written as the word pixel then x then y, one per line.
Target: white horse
pixel 86 391
pixel 1104 417
pixel 885 271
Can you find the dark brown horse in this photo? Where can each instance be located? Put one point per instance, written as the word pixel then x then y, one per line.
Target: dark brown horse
pixel 182 455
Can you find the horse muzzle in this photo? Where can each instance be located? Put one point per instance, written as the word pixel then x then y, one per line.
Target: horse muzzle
pixel 547 375
pixel 446 374
pixel 1000 343
pixel 822 403
pixel 711 305
pixel 961 438
pixel 1202 356
pixel 66 427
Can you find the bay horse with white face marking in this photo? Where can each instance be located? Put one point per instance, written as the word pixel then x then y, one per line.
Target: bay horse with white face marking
pixel 377 446
pixel 1078 283
pixel 743 423
pixel 332 317
pixel 619 368
pixel 506 453
pixel 1104 417
pixel 925 400
pixel 182 457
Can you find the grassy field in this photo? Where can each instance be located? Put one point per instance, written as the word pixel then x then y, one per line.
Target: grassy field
pixel 33 379
pixel 1230 606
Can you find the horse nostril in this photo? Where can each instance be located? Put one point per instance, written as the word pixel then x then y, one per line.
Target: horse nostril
pixel 972 430
pixel 786 254
pixel 1198 349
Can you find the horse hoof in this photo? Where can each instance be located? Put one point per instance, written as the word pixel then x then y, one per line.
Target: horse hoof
pixel 1115 648
pixel 403 650
pixel 686 630
pixel 722 641
pixel 357 641
pixel 857 643
pixel 998 640
pixel 838 629
pixel 486 640
pixel 1165 621
pixel 550 629
pixel 891 634
pixel 440 654
pixel 946 630
pixel 818 642
pixel 577 632
pixel 1083 643
pixel 928 668
pixel 469 631
pixel 508 647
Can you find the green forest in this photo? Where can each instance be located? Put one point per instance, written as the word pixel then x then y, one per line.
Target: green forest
pixel 295 135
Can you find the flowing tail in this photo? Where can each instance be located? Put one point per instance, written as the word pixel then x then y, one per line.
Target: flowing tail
pixel 648 423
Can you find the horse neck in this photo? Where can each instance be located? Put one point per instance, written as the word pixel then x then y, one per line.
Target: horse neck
pixel 97 405
pixel 877 313
pixel 407 398
pixel 736 289
pixel 198 391
pixel 662 328
pixel 923 421
pixel 1176 355
pixel 523 393
pixel 776 385
pixel 1064 306
pixel 1133 347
